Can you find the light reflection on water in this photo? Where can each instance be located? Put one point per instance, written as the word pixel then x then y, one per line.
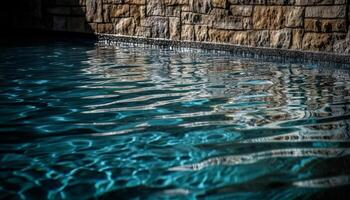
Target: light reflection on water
pixel 81 121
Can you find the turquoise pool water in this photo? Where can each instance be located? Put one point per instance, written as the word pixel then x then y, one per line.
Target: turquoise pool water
pixel 81 121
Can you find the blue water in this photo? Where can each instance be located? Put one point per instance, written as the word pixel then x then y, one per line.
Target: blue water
pixel 80 120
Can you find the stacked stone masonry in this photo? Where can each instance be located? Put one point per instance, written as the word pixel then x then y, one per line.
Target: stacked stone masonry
pixel 311 25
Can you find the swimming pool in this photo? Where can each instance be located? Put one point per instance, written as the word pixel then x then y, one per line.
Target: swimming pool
pixel 80 120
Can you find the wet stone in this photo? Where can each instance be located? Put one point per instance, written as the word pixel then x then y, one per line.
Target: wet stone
pixel 155 8
pixel 187 32
pixel 201 33
pixel 259 38
pixel 124 26
pixel 268 17
pixel 326 11
pixel 317 41
pixel 175 28
pixel 94 11
pixel 281 38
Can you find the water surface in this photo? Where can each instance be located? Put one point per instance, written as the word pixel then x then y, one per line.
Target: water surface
pixel 80 121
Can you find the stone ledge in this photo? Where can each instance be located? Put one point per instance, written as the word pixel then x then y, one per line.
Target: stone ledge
pixel 246 51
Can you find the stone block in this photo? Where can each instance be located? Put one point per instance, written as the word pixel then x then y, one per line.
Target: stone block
pixel 135 2
pixel 187 32
pixel 159 26
pixel 105 28
pixel 94 11
pixel 326 11
pixel 196 18
pixel 342 46
pixel 175 2
pixel 281 38
pixel 297 38
pixel 174 28
pixel 201 33
pixel 325 25
pixel 219 12
pixel 173 11
pixel 200 6
pixel 124 26
pixel 268 17
pixel 247 23
pixel 219 36
pixel 241 10
pixel 336 2
pixel 121 10
pixel 240 38
pixel 135 12
pixel 317 42
pixel 91 28
pixel 278 2
pixel 259 38
pixel 294 16
pixel 186 8
pixel 143 31
pixel 219 3
pixel 247 2
pixel 155 8
pixel 313 2
pixel 106 13
pixel 228 22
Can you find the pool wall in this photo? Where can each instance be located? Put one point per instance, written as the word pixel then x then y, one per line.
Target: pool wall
pixel 307 25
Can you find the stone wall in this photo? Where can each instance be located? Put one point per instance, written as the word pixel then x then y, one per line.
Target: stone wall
pixel 21 14
pixel 312 25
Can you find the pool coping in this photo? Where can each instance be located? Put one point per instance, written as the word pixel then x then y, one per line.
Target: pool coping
pixel 286 54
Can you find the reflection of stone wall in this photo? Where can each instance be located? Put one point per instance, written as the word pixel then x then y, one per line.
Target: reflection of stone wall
pixel 316 25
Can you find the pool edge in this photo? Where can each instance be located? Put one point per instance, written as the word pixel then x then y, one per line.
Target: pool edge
pixel 288 54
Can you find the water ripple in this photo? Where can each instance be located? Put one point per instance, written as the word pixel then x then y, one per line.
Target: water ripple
pixel 82 121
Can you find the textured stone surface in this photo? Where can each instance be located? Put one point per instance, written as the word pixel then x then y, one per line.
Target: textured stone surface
pixel 94 11
pixel 312 25
pixel 241 10
pixel 259 38
pixel 228 22
pixel 175 28
pixel 219 36
pixel 219 3
pixel 326 11
pixel 143 31
pixel 105 28
pixel 297 37
pixel 240 38
pixel 342 46
pixel 317 41
pixel 313 2
pixel 201 33
pixel 124 26
pixel 187 32
pixel 268 17
pixel 200 6
pixel 119 11
pixel 325 25
pixel 294 16
pixel 159 27
pixel 155 8
pixel 281 38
